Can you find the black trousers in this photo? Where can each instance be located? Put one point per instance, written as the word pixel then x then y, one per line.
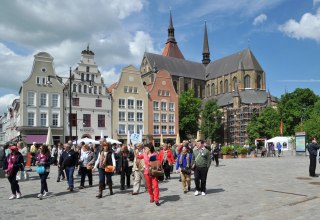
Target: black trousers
pixel 200 178
pixel 14 183
pixel 43 179
pixel 166 169
pixel 313 164
pixel 61 173
pixel 216 158
pixel 125 174
pixel 85 172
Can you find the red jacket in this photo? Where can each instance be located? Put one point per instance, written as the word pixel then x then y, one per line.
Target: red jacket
pixel 170 157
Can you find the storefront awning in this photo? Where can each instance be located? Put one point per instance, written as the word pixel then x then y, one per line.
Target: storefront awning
pixel 38 138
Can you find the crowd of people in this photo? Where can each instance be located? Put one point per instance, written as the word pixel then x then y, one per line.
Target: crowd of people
pixel 142 162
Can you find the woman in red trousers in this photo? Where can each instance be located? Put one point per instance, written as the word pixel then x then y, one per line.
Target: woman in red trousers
pixel 152 181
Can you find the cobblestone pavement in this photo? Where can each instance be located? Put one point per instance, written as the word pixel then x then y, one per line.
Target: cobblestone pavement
pixel 242 189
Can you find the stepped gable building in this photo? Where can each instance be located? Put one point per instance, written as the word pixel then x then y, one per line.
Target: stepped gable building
pixel 237 82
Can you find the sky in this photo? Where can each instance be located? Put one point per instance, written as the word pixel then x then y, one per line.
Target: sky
pixel 284 35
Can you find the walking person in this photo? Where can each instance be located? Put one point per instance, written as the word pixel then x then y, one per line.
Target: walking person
pixel 313 149
pixel 138 170
pixel 215 154
pixel 11 165
pixel 279 148
pixel 60 168
pixel 86 162
pixel 149 156
pixel 201 160
pixel 68 161
pixel 106 158
pixel 166 159
pixel 125 156
pixel 44 159
pixel 54 155
pixel 33 151
pixel 183 165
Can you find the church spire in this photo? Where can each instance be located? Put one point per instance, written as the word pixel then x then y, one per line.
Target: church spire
pixel 171 31
pixel 205 50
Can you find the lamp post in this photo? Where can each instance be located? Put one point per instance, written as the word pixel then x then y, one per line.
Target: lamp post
pixel 70 106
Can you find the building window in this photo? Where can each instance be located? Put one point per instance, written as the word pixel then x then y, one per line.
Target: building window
pixel 171 107
pixel 90 89
pixel 79 89
pixel 235 82
pixel 95 90
pixel 43 99
pixel 100 90
pixel 221 87
pixel 74 120
pixel 43 119
pixel 155 106
pixel 259 82
pixel 92 77
pixel 171 129
pixel 87 69
pixel 163 106
pixel 31 119
pixel 139 104
pixel 155 117
pixel 135 90
pixel 208 90
pixel 55 120
pixel 130 116
pixel 55 100
pixel 87 120
pixel 85 89
pixel 163 129
pixel 131 129
pixel 164 118
pixel 98 103
pixel 87 77
pixel 122 116
pixel 130 103
pixel 139 116
pixel 247 82
pixel 75 101
pixel 156 129
pixel 171 117
pixel 175 85
pixel 38 80
pixel 74 88
pixel 126 89
pixel 139 127
pixel 82 76
pixel 122 129
pixel 122 103
pixel 226 86
pixel 101 121
pixel 213 90
pixel 186 87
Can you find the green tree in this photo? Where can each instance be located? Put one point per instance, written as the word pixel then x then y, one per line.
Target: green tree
pixel 189 113
pixel 311 125
pixel 295 106
pixel 211 120
pixel 266 125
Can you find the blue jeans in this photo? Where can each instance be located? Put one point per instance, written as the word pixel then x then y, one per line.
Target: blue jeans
pixel 69 174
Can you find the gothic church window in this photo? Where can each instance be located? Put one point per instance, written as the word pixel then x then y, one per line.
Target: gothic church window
pixel 247 82
pixel 226 87
pixel 221 87
pixel 208 90
pixel 235 81
pixel 259 82
pixel 213 90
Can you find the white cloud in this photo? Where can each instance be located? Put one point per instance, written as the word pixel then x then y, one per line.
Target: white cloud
pixel 6 101
pixel 260 19
pixel 307 28
pixel 110 76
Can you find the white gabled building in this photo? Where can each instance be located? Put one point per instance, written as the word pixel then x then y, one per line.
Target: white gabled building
pixel 91 104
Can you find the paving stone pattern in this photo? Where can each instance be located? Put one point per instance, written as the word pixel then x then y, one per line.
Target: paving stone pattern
pixel 242 189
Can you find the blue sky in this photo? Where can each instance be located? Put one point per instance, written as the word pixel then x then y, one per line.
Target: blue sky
pixel 284 35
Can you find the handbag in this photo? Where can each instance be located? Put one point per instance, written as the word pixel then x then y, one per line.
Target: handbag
pixel 22 176
pixel 109 169
pixel 186 170
pixel 155 172
pixel 40 169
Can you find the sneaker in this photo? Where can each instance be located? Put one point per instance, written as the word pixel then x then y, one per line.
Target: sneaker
pixel 81 187
pixel 196 193
pixel 203 193
pixel 18 195
pixel 40 195
pixel 157 204
pixel 45 194
pixel 12 197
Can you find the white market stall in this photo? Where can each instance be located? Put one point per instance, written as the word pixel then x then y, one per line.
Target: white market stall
pixel 287 143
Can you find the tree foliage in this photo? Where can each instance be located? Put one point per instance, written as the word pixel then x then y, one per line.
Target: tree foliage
pixel 312 125
pixel 295 107
pixel 189 113
pixel 211 120
pixel 265 125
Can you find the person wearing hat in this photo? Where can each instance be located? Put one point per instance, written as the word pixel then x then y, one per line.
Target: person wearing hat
pixel 11 165
pixel 201 161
